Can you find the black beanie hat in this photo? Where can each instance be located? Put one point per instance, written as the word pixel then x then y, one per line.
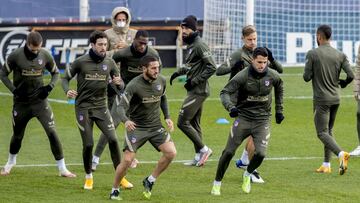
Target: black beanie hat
pixel 190 22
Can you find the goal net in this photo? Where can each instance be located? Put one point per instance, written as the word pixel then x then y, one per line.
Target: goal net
pixel 286 27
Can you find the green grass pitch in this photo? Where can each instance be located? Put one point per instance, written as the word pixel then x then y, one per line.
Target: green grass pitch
pixel 293 155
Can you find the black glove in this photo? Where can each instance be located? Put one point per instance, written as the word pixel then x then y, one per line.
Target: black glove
pixel 234 112
pixel 279 117
pixel 270 55
pixel 44 91
pixel 188 85
pixel 343 83
pixel 238 66
pixel 173 76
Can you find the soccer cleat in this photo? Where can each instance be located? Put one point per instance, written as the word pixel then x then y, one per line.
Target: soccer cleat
pixel 89 182
pixel 216 190
pixel 246 186
pixel 134 163
pixel 191 163
pixel 204 157
pixel 6 170
pixel 240 164
pixel 355 152
pixel 343 163
pixel 256 178
pixel 67 174
pixel 115 195
pixel 323 169
pixel 125 184
pixel 148 187
pixel 93 166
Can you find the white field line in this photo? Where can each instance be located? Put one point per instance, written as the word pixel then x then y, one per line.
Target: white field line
pixel 182 99
pixel 176 161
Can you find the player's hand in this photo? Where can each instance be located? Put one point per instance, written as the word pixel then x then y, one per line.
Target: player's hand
pixel 71 94
pixel 121 45
pixel 173 76
pixel 44 91
pixel 270 55
pixel 279 117
pixel 117 80
pixel 343 83
pixel 189 85
pixel 234 112
pixel 170 124
pixel 130 126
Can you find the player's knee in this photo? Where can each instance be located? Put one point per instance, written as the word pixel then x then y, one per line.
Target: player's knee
pixel 171 154
pixel 88 147
pixel 182 123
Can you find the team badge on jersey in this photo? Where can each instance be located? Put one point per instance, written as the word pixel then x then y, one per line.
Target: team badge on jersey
pixel 158 87
pixel 133 139
pixel 267 83
pixel 81 117
pixel 104 67
pixel 236 123
pixel 40 61
pixel 15 113
pixel 190 50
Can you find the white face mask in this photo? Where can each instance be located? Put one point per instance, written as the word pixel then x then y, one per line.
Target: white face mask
pixel 120 23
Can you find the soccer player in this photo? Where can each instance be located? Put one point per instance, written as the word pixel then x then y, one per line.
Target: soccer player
pixel 247 96
pixel 236 62
pixel 323 66
pixel 93 71
pixel 199 67
pixel 140 112
pixel 129 59
pixel 28 65
pixel 356 151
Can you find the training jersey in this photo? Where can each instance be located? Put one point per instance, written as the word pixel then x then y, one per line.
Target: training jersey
pixel 323 66
pixel 199 67
pixel 142 101
pixel 92 80
pixel 130 61
pixel 28 74
pixel 246 55
pixel 251 93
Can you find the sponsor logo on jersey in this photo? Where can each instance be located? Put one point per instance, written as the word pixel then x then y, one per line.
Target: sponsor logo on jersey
pixel 135 69
pixel 40 61
pixel 151 99
pixel 258 98
pixel 104 67
pixel 32 72
pixel 95 76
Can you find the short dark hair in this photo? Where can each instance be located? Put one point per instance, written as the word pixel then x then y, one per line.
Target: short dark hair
pixel 145 61
pixel 34 38
pixel 325 31
pixel 97 34
pixel 260 51
pixel 141 33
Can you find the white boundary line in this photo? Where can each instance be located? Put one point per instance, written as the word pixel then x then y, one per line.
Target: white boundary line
pixel 176 161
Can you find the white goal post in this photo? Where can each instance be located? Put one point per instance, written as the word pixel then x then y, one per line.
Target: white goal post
pixel 286 27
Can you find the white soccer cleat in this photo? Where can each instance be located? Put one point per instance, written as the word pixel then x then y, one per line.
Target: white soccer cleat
pixel 6 170
pixel 204 157
pixel 356 151
pixel 67 174
pixel 256 178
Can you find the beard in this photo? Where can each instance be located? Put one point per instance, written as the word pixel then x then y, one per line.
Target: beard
pixel 190 38
pixel 151 77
